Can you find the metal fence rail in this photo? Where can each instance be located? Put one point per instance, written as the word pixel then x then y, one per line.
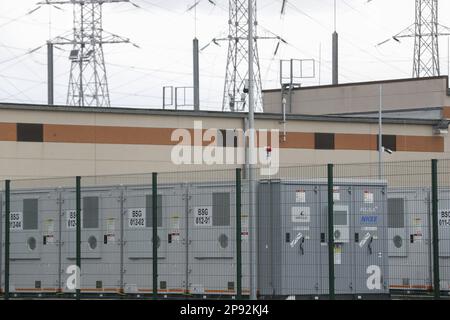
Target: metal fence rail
pixel 322 232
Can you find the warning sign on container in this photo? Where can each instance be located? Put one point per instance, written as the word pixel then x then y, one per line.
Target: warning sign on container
pixel 111 230
pixel 368 197
pixel 300 196
pixel 337 255
pixel 336 194
pixel 301 215
pixel 49 228
pixel 245 226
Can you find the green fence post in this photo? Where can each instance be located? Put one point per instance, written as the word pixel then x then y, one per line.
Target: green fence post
pixel 238 236
pixel 330 234
pixel 435 218
pixel 155 233
pixel 7 244
pixel 78 236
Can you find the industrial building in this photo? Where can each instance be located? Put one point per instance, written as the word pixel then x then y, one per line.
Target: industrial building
pixel 326 124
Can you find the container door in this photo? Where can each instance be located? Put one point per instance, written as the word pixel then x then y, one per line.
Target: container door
pixel 301 240
pixel 100 212
pixel 397 229
pixel 138 234
pixel 343 257
pixel 409 238
pixel 370 245
pixel 212 211
pixel 33 241
pixel 444 223
pixel 444 237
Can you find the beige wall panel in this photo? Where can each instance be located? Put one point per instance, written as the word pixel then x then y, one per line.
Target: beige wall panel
pixel 363 97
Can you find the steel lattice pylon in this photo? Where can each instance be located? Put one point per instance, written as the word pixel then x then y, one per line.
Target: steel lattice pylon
pixel 88 82
pixel 426 47
pixel 234 98
pixel 426 33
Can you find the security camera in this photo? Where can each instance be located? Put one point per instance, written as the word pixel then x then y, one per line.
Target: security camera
pixel 246 86
pixel 387 150
pixel 441 131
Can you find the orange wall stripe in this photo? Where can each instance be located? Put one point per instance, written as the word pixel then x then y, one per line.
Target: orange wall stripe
pixel 56 133
pixel 8 132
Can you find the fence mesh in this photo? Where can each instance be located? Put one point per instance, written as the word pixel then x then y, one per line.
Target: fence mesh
pixel 210 244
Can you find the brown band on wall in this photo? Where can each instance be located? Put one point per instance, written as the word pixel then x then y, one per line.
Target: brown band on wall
pixel 420 144
pixel 345 141
pixel 8 132
pixel 163 136
pixel 298 140
pixel 115 135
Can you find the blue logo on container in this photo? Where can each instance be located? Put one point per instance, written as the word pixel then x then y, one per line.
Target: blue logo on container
pixel 369 219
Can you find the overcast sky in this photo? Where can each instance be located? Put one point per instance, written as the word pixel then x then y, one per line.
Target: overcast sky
pixel 164 31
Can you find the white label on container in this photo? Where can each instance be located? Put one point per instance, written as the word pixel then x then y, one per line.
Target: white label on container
pixel 49 227
pixel 244 230
pixel 175 223
pixel 368 197
pixel 111 230
pixel 300 196
pixel 175 228
pixel 337 255
pixel 136 218
pixel 301 215
pixel 16 221
pixel 301 228
pixel 203 216
pixel 444 218
pixel 71 216
pixel 418 234
pixel 336 194
pixel 417 222
pixel 197 289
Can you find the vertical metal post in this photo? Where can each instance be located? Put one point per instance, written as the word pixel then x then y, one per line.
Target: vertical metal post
pixel 238 236
pixel 335 50
pixel 60 217
pixel 196 77
pixel 330 233
pixel 176 98
pixel 434 206
pixel 50 84
pixel 1 243
pixel 78 234
pixel 7 217
pixel 187 241
pixel 252 158
pixel 155 233
pixel 380 135
pixel 291 83
pixel 335 58
pixel 122 226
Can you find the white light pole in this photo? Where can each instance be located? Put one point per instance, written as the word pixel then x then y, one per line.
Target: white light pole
pixel 251 154
pixel 380 135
